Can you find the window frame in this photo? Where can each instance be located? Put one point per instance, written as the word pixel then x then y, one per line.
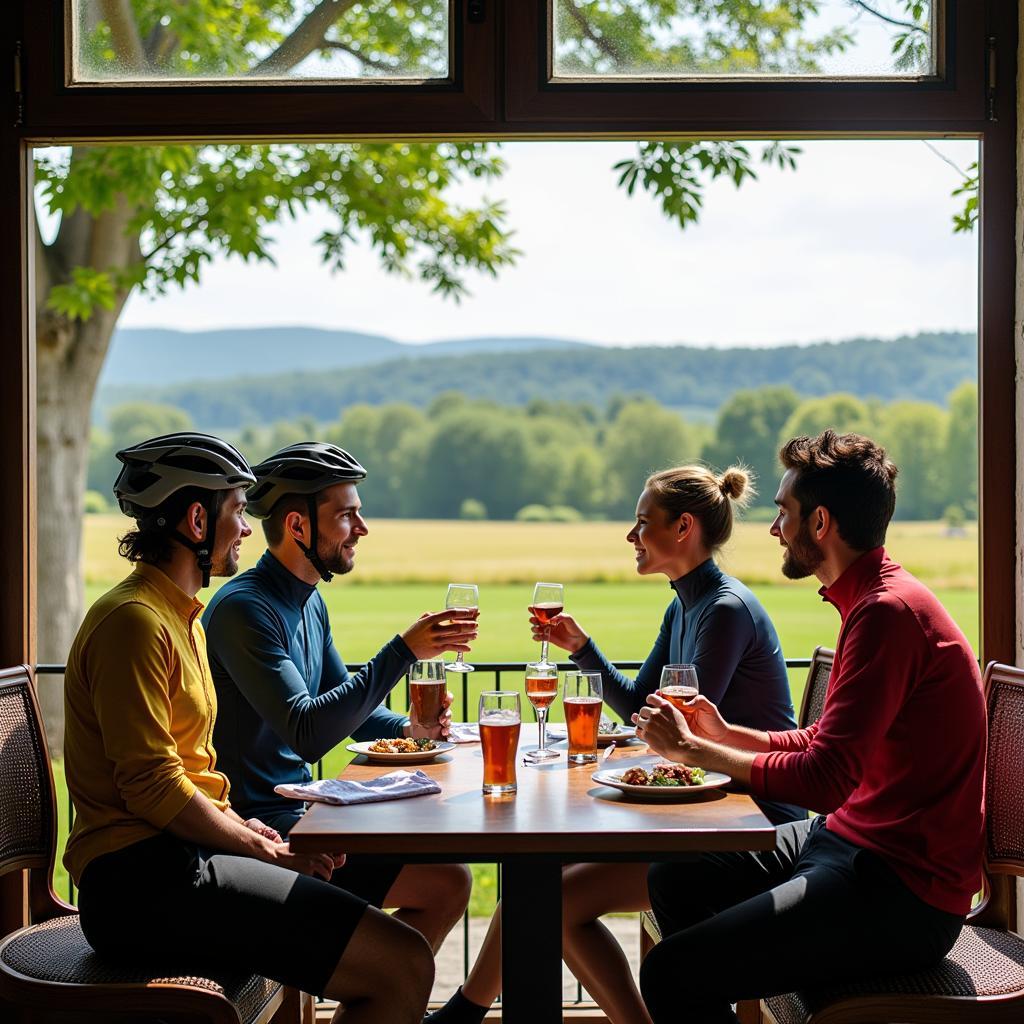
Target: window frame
pixel 495 94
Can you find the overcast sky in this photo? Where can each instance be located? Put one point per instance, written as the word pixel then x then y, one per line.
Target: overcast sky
pixel 857 241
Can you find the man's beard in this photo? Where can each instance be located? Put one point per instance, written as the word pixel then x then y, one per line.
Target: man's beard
pixel 802 555
pixel 226 565
pixel 337 562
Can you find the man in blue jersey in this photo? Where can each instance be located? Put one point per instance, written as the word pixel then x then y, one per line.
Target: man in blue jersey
pixel 285 696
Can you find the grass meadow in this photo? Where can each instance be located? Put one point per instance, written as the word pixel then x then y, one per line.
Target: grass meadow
pixel 403 567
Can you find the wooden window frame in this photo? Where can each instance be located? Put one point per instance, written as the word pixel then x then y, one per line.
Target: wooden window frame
pixel 498 90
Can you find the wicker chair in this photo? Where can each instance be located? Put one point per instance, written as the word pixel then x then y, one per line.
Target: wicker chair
pixel 48 971
pixel 982 978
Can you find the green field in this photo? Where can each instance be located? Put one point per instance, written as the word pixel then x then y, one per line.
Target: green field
pixel 403 568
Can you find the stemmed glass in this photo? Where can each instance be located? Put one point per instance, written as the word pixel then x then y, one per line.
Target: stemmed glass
pixel 461 595
pixel 679 684
pixel 541 690
pixel 548 601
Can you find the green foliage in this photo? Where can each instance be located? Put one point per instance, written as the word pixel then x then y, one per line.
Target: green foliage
pixel 967 218
pixel 843 413
pixel 95 503
pixel 961 449
pixel 914 435
pixel 747 431
pixel 534 514
pixel 925 367
pixel 472 509
pixel 954 517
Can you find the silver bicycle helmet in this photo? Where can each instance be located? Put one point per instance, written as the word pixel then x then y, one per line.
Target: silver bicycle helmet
pixel 154 470
pixel 305 469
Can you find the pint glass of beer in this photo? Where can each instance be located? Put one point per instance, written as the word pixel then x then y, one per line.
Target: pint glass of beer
pixel 427 690
pixel 678 685
pixel 499 739
pixel 581 699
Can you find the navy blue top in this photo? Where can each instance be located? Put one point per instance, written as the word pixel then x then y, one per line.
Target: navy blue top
pixel 284 695
pixel 717 624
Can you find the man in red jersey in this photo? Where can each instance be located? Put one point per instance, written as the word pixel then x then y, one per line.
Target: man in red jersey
pixel 881 881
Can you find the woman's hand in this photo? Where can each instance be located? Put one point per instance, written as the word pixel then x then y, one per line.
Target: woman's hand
pixel 257 826
pixel 662 726
pixel 317 865
pixel 563 631
pixel 433 633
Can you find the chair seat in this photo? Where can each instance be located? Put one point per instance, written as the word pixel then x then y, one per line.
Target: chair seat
pixel 983 962
pixel 56 952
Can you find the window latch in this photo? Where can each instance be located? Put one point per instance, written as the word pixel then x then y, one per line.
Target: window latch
pixel 19 97
pixel 477 11
pixel 991 78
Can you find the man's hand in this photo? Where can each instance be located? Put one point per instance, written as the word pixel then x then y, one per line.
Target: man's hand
pixel 663 728
pixel 704 719
pixel 563 631
pixel 433 633
pixel 317 865
pixel 257 826
pixel 438 730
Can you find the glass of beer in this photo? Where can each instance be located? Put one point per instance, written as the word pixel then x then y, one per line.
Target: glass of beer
pixel 581 698
pixel 426 691
pixel 541 690
pixel 548 601
pixel 499 739
pixel 678 685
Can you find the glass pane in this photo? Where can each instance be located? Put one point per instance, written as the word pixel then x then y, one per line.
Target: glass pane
pixel 155 41
pixel 688 39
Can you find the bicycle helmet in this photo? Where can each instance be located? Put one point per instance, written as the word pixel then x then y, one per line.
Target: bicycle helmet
pixel 154 470
pixel 306 469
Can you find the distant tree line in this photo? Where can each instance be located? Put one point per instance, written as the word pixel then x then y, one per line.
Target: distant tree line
pixel 696 382
pixel 471 458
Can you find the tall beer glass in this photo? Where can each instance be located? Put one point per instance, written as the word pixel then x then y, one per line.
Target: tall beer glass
pixel 427 690
pixel 581 699
pixel 499 739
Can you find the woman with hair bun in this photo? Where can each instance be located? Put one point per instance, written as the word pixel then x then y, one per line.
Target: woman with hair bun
pixel 714 622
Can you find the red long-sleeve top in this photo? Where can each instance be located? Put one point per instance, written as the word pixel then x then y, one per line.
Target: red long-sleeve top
pixel 897 759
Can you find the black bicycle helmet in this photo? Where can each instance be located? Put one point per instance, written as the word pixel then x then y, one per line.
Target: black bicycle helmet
pixel 305 468
pixel 154 470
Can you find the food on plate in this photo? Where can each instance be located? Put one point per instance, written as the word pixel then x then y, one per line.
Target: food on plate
pixel 664 775
pixel 402 746
pixel 606 727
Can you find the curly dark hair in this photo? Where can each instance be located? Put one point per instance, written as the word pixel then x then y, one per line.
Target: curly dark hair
pixel 851 476
pixel 152 542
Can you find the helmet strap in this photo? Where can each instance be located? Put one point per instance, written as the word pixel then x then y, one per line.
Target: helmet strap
pixel 312 552
pixel 202 548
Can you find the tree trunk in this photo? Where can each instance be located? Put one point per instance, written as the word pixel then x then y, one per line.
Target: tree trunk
pixel 69 356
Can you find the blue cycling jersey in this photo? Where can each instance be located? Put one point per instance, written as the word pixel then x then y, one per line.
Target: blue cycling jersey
pixel 284 695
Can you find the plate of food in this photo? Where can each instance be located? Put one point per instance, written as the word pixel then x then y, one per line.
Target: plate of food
pixel 661 781
pixel 614 732
pixel 401 751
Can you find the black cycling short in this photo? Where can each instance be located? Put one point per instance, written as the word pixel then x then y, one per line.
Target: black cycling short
pixel 161 901
pixel 362 874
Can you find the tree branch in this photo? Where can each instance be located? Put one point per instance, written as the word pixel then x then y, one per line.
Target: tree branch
pixel 307 37
pixel 608 48
pixel 124 32
pixel 333 44
pixel 911 25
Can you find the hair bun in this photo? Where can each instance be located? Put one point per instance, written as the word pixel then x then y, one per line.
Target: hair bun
pixel 733 482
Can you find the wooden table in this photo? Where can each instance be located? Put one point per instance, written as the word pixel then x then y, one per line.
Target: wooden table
pixel 559 815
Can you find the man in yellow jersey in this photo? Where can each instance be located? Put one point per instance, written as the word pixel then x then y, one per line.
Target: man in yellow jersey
pixel 166 869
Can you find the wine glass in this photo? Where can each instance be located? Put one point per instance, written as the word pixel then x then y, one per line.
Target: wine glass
pixel 541 690
pixel 548 601
pixel 678 685
pixel 462 596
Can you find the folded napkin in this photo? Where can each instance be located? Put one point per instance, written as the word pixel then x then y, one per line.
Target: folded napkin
pixel 464 732
pixel 393 786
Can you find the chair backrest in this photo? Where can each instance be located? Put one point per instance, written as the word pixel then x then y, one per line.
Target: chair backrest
pixel 817 685
pixel 28 833
pixel 1004 770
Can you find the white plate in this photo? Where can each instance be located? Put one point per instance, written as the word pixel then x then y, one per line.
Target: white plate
pixel 419 757
pixel 624 734
pixel 613 778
